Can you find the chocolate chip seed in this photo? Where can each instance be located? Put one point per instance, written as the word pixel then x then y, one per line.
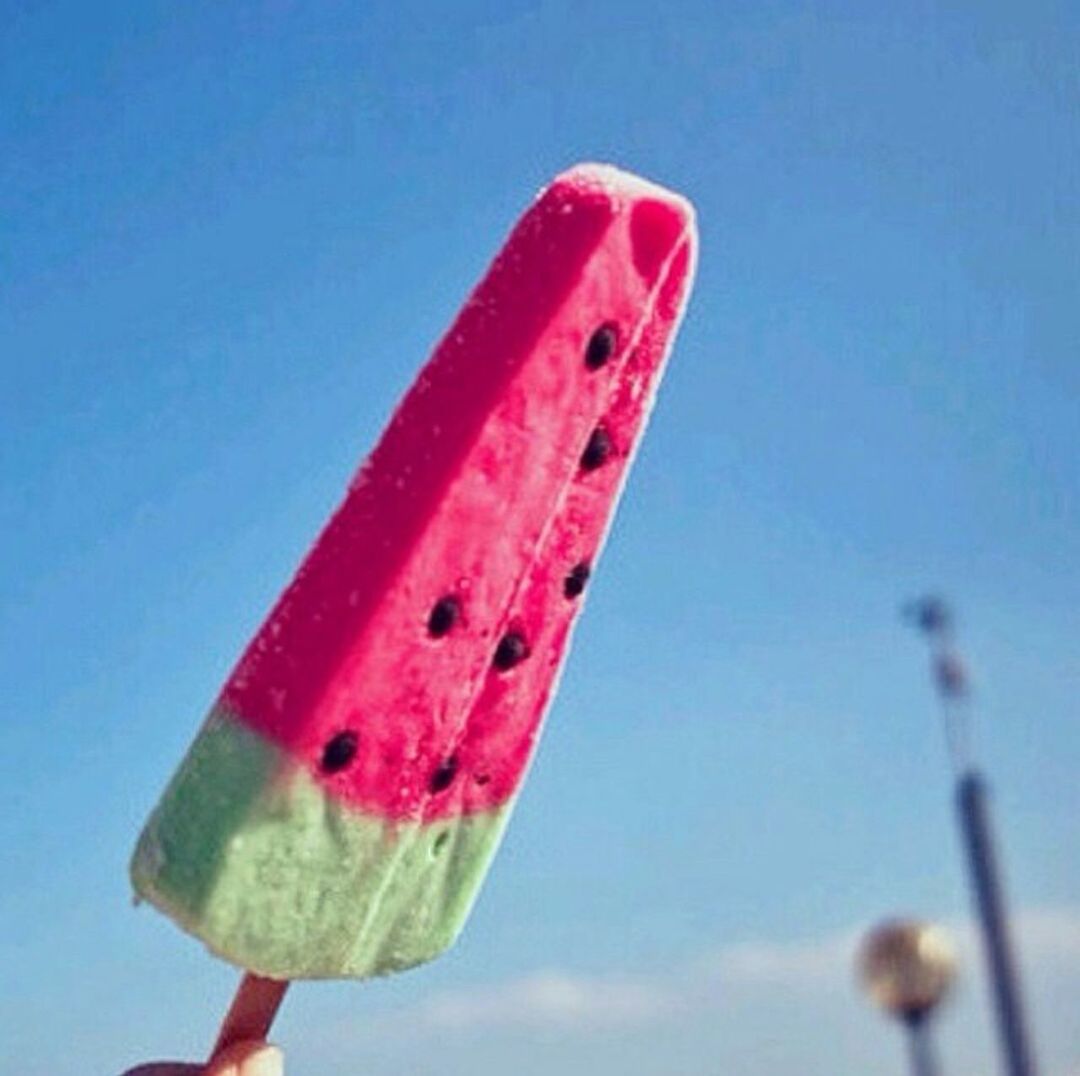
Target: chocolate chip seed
pixel 339 751
pixel 444 776
pixel 511 651
pixel 444 615
pixel 601 346
pixel 598 450
pixel 575 581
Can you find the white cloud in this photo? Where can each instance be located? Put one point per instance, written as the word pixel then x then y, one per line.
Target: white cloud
pixel 550 999
pixel 804 963
pixel 1050 936
pixel 1048 939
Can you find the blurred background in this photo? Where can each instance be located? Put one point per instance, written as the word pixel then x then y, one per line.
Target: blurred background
pixel 229 235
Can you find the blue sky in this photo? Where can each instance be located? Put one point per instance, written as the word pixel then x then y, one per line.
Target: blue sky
pixel 229 235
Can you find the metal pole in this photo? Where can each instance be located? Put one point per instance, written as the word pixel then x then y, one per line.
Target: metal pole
pixel 934 618
pixel 921 1046
pixel 973 807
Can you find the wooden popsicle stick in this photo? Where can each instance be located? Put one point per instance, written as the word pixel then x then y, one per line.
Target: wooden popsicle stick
pixel 252 1011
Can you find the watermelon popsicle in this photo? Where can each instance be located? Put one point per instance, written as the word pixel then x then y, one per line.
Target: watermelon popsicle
pixel 337 811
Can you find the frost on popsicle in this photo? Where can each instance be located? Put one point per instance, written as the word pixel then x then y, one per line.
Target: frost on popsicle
pixel 337 812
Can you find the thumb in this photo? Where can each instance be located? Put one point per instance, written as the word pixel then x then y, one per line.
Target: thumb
pixel 248 1059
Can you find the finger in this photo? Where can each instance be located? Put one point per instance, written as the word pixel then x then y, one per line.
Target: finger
pixel 248 1059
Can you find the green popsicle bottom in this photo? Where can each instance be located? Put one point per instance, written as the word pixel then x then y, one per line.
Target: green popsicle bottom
pixel 248 853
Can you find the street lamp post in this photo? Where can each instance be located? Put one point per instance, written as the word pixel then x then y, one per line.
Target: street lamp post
pixel 907 968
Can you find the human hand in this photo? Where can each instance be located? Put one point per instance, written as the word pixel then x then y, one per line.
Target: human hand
pixel 242 1059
